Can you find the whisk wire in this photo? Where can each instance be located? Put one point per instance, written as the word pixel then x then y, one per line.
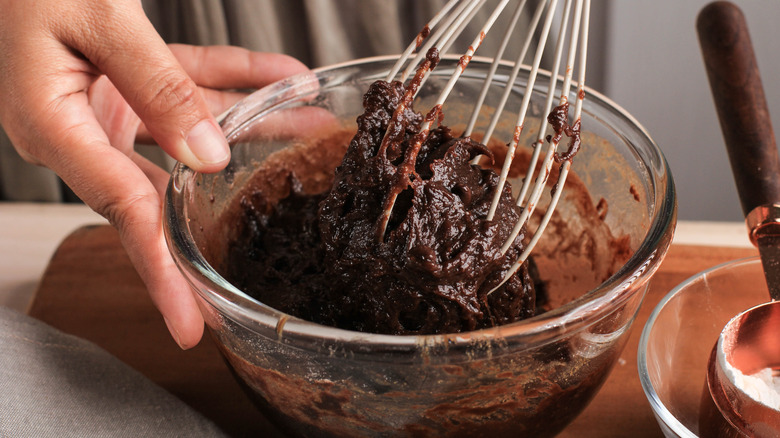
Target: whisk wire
pixel 542 177
pixel 533 24
pixel 426 126
pixel 423 36
pixel 519 125
pixel 582 18
pixel 441 32
pixel 499 55
pixel 440 36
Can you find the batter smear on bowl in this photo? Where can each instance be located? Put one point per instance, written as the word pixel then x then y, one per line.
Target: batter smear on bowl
pixel 400 244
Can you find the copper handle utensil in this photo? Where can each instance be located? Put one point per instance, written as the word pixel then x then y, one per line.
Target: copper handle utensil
pixel 751 341
pixel 747 128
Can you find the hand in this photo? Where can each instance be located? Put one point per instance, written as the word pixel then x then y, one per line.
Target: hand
pixel 81 79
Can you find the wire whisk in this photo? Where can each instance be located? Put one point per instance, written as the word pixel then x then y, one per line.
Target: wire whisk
pixel 547 21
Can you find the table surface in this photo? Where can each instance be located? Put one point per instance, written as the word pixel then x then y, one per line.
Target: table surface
pixel 90 289
pixel 29 235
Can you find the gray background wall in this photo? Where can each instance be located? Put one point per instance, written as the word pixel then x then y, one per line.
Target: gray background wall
pixel 654 69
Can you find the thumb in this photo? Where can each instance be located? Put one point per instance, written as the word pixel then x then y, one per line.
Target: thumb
pixel 154 84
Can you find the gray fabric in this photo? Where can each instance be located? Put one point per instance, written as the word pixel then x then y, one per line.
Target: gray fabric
pixel 318 32
pixel 56 385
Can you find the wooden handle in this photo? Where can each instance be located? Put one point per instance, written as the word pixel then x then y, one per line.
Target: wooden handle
pixel 739 98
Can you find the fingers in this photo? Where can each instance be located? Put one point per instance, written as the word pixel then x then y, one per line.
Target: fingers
pixel 217 101
pixel 155 174
pixel 58 114
pixel 219 68
pixel 151 80
pixel 45 87
pixel 226 67
pixel 294 125
pixel 117 188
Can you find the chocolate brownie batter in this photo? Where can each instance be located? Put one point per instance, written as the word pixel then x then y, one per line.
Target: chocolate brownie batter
pixel 400 244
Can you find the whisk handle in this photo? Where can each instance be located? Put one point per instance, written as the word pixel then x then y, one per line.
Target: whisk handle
pixel 740 102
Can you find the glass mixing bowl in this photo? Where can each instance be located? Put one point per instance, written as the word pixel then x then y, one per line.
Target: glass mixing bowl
pixel 679 336
pixel 616 220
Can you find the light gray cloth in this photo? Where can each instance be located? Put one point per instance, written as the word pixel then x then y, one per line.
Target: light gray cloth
pixel 56 385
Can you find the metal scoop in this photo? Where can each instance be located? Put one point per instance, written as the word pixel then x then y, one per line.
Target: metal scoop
pixel 751 341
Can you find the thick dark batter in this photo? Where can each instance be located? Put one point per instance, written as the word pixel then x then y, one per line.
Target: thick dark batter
pixel 399 245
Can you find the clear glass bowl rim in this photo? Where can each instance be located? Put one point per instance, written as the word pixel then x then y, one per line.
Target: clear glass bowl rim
pixel 529 333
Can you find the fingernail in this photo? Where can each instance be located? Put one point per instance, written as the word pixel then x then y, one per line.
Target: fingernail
pixel 174 333
pixel 207 143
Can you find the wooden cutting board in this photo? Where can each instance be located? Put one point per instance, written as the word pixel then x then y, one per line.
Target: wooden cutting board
pixel 91 290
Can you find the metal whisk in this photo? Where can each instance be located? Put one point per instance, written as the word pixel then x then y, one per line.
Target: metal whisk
pixel 441 33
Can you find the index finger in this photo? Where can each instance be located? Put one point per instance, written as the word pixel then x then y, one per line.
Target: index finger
pixel 225 67
pixel 120 41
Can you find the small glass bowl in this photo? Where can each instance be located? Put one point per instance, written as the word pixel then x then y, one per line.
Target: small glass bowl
pixel 527 378
pixel 679 336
